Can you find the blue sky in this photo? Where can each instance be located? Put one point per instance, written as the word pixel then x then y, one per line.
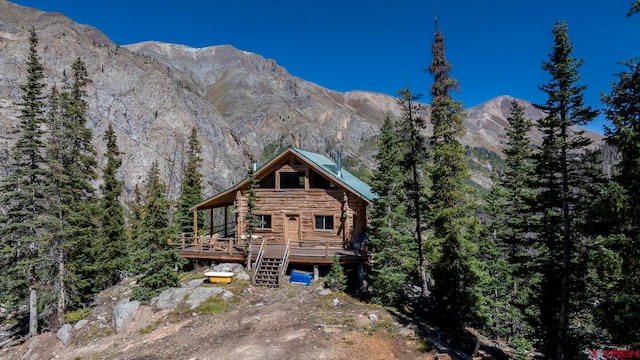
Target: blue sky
pixel 496 46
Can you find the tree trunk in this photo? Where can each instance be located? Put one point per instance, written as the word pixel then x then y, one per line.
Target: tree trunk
pixel 422 263
pixel 61 292
pixel 33 312
pixel 561 339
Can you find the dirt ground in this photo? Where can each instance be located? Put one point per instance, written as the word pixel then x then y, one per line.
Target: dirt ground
pixel 290 322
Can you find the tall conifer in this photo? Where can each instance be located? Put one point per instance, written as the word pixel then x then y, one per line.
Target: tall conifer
pixel 392 249
pixel 113 244
pixel 414 157
pixel 506 248
pixel 452 201
pixel 191 192
pixel 563 185
pixel 24 228
pixel 154 259
pixel 623 294
pixel 72 158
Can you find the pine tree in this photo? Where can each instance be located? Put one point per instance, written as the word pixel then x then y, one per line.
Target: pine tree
pixel 336 279
pixel 72 159
pixel 391 248
pixel 623 295
pixel 24 224
pixel 635 8
pixel 413 159
pixel 252 221
pixel 114 241
pixel 563 187
pixel 506 248
pixel 452 202
pixel 191 193
pixel 154 259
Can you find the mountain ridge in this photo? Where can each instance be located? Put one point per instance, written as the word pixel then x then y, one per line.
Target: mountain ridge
pixel 243 105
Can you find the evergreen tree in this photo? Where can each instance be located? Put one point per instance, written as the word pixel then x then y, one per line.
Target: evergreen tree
pixel 252 221
pixel 336 279
pixel 507 248
pixel 413 159
pixel 623 296
pixel 154 259
pixel 452 202
pixel 635 8
pixel 392 249
pixel 191 193
pixel 24 224
pixel 113 254
pixel 72 159
pixel 58 293
pixel 563 187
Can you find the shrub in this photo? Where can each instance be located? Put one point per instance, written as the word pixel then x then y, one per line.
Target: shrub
pixel 336 280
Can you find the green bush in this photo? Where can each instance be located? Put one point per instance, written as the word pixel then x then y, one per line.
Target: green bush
pixel 76 315
pixel 336 280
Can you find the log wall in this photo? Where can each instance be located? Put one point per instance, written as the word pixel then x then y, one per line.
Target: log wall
pixel 347 209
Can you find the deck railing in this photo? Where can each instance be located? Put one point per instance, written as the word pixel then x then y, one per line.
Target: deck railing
pixel 285 260
pixel 258 262
pixel 206 244
pixel 234 246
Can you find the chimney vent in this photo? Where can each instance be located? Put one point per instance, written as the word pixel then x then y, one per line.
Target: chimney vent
pixel 339 164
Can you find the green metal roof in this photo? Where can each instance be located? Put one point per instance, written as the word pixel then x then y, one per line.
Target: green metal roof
pixel 322 163
pixel 346 179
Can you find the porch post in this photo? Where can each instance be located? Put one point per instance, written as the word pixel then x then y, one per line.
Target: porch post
pixel 195 223
pixel 211 222
pixel 226 217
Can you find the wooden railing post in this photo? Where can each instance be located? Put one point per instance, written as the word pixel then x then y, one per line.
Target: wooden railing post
pixel 200 240
pixel 326 248
pixel 231 246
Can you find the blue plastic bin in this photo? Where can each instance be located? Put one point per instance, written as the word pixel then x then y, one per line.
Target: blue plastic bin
pixel 299 277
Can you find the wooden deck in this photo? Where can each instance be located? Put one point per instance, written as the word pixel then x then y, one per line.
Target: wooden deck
pixel 307 252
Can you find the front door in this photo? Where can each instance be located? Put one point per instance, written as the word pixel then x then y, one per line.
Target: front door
pixel 292 228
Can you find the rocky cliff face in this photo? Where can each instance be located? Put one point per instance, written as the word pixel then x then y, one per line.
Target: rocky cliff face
pixel 242 104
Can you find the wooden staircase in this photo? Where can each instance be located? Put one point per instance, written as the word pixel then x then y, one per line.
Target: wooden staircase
pixel 271 265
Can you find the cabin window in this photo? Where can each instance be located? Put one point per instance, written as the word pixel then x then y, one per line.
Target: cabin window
pixel 268 182
pixel 264 222
pixel 292 180
pixel 324 222
pixel 317 181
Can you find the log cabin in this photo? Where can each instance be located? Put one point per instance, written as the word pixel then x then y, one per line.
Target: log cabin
pixel 309 208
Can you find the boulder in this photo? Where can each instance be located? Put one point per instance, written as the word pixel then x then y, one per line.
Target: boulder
pixel 193 283
pixel 64 334
pixel 237 269
pixel 170 298
pixel 199 295
pixel 227 295
pixel 123 313
pixel 232 267
pixel 80 324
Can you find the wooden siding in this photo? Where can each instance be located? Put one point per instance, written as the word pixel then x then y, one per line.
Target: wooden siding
pixel 306 204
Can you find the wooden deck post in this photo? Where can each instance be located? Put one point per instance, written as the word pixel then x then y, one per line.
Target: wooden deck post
pixel 211 222
pixel 195 223
pixel 326 248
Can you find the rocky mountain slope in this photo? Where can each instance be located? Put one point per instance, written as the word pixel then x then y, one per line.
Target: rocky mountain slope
pixel 242 104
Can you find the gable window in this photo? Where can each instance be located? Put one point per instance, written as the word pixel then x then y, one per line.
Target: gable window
pixel 268 182
pixel 292 180
pixel 323 222
pixel 317 181
pixel 264 222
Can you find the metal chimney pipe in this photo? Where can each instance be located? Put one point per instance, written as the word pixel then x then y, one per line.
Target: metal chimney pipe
pixel 339 164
